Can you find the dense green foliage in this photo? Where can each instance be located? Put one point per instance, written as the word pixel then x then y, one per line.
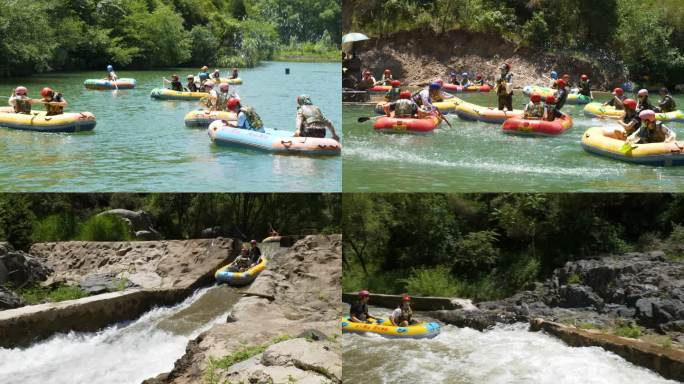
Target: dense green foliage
pixel 43 35
pixel 29 218
pixel 492 245
pixel 647 35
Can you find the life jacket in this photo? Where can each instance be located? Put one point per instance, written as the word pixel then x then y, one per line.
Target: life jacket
pixel 177 86
pixel 644 105
pixel 223 101
pixel 585 88
pixel 534 110
pixel 667 104
pixel 561 98
pixel 54 109
pixel 406 314
pixel 253 117
pixel 404 108
pixel 312 115
pixel 192 87
pixel 22 105
pixel 656 135
pixel 418 99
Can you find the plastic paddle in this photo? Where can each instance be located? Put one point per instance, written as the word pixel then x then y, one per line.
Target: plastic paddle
pixel 626 148
pixel 367 118
pixel 444 119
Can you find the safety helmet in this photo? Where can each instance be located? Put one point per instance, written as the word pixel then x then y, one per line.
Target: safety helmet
pixel 224 87
pixel 535 97
pixel 479 76
pixel 561 83
pixel 554 75
pixel 233 103
pixel 209 84
pixel 551 99
pixel 630 103
pixel 253 242
pixel 20 90
pixel 505 66
pixel 110 68
pixel 618 91
pixel 364 293
pixel 191 77
pixel 464 74
pixel 387 71
pixel 174 76
pixel 395 83
pixel 405 95
pixel 435 86
pixel 643 92
pixel 406 298
pixel 584 77
pixel 45 92
pixel 647 115
pixel 205 68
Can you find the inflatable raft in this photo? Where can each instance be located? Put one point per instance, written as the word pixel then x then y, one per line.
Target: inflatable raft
pixel 602 141
pixel 170 94
pixel 271 239
pixel 452 88
pixel 537 127
pixel 240 278
pixel 38 121
pixel 600 111
pixel 425 124
pixel 102 84
pixel 474 112
pixel 273 140
pixel 573 98
pixel 445 107
pixel 380 88
pixel 237 81
pixel 385 328
pixel 201 118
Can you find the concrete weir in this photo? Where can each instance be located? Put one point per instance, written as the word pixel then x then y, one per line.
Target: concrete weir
pixel 171 271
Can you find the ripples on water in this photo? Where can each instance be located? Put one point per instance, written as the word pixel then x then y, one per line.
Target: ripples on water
pixel 504 355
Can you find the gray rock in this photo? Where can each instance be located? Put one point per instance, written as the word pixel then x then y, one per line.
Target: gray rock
pixel 20 269
pixel 313 334
pixel 104 282
pixel 9 299
pixel 139 223
pixel 578 296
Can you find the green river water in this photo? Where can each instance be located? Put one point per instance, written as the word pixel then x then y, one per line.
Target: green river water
pixel 140 144
pixel 478 157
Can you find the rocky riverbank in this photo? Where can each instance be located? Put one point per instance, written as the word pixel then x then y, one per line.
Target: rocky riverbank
pixel 297 298
pixel 418 56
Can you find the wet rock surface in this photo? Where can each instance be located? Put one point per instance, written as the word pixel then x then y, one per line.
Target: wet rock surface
pixel 299 296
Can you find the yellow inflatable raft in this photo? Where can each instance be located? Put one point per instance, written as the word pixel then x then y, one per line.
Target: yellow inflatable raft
pixel 202 118
pixel 424 330
pixel 599 110
pixel 602 141
pixel 38 121
pixel 237 81
pixel 474 112
pixel 223 275
pixel 170 94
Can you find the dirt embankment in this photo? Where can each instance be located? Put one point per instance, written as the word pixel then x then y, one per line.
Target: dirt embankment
pixel 418 56
pixel 298 294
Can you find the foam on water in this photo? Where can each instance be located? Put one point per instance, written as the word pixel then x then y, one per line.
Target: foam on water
pixel 506 354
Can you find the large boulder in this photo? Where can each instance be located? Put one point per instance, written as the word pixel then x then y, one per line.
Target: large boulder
pixel 18 268
pixel 579 296
pixel 139 223
pixel 9 299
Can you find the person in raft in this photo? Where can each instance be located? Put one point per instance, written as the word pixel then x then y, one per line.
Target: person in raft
pixel 630 121
pixel 561 94
pixel 223 95
pixel 358 312
pixel 651 131
pixel 585 86
pixel 247 118
pixel 203 75
pixel 479 80
pixel 464 79
pixel 424 98
pixel 367 81
pixel 191 86
pixel 504 87
pixel 111 75
pixel 453 78
pixel 441 95
pixel 550 109
pixel 54 101
pixel 617 100
pixel 643 103
pixel 393 93
pixel 216 75
pixel 20 100
pixel 534 109
pixel 254 253
pixel 554 76
pixel 241 263
pixel 176 85
pixel 234 74
pixel 310 121
pixel 213 98
pixel 568 82
pixel 386 78
pixel 402 316
pixel 405 107
pixel 666 103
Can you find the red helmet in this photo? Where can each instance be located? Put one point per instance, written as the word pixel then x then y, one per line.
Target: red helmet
pixel 224 87
pixel 630 103
pixel 45 92
pixel 405 95
pixel 506 66
pixel 479 76
pixel 550 99
pixel 364 293
pixel 253 242
pixel 395 83
pixel 560 83
pixel 618 91
pixel 406 298
pixel 535 97
pixel 643 92
pixel 366 73
pixel 387 71
pixel 233 103
pixel 647 115
pixel 584 77
pixel 21 90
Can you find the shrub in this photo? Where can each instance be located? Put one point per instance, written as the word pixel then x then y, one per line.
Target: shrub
pixel 535 30
pixel 674 244
pixel 574 279
pixel 435 281
pixel 57 227
pixel 477 252
pixel 104 228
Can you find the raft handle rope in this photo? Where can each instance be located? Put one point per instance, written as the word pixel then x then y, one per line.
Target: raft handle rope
pixel 286 143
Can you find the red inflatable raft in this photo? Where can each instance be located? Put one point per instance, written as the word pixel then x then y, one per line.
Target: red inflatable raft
pixel 380 88
pixel 471 88
pixel 537 127
pixel 425 124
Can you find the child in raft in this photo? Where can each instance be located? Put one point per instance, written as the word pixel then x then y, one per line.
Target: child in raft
pixel 402 316
pixel 20 100
pixel 241 263
pixel 191 87
pixel 175 83
pixel 617 100
pixel 651 131
pixel 111 75
pixel 630 121
pixel 550 112
pixel 234 74
pixel 534 109
pixel 386 78
pixel 666 103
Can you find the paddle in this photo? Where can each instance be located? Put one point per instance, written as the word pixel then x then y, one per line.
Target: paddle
pixel 626 148
pixel 444 119
pixel 367 118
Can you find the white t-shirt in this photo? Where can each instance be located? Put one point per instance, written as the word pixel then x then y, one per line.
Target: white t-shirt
pixel 396 314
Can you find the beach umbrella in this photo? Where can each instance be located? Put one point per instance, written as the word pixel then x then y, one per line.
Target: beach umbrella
pixel 354 36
